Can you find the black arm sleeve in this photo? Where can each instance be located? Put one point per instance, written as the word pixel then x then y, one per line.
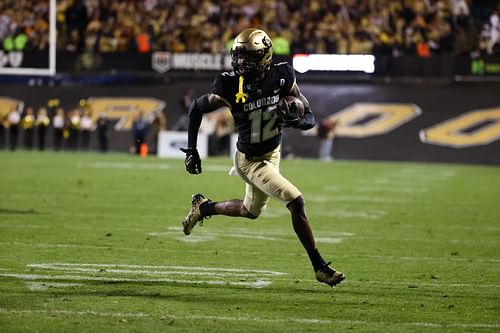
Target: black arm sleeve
pixel 199 106
pixel 307 121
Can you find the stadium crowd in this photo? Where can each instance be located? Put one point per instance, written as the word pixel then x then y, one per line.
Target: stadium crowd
pixel 393 27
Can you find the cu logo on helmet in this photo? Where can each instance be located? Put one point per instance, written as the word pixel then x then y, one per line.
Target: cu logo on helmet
pixel 267 41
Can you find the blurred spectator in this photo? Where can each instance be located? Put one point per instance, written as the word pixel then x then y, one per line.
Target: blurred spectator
pixel 3 126
pixel 58 124
pixel 73 125
pixel 492 33
pixel 326 134
pixel 52 105
pixel 42 123
pixel 140 130
pixel 281 45
pixel 207 127
pixel 13 119
pixel 24 24
pixel 224 127
pixel 16 41
pixel 159 124
pixel 102 132
pixel 28 124
pixel 142 42
pixel 185 102
pixel 86 126
pixel 219 126
pixel 75 19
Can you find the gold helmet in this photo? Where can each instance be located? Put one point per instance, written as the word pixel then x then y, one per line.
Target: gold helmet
pixel 251 53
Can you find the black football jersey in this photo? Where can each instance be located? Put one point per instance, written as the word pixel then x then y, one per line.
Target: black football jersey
pixel 256 117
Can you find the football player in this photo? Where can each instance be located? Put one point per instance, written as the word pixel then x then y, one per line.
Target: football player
pixel 252 92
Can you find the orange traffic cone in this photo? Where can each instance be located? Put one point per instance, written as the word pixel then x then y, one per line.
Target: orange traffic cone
pixel 143 150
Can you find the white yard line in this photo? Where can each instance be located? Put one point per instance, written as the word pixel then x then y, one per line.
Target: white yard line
pixel 243 233
pixel 23 226
pixel 266 232
pixel 252 278
pixel 40 286
pixel 110 272
pixel 373 215
pixel 257 253
pixel 128 166
pixel 332 213
pixel 427 284
pixel 260 283
pixel 449 227
pixel 206 236
pixel 426 175
pixel 193 238
pixel 353 237
pixel 403 182
pixel 450 259
pixel 405 284
pixel 190 317
pixel 101 216
pixel 329 240
pixel 196 269
pixel 409 181
pixel 370 199
pixel 147 166
pixel 353 198
pixel 272 213
pixel 382 189
pixel 429 240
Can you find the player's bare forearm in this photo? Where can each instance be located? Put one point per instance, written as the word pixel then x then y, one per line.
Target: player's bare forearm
pixel 308 121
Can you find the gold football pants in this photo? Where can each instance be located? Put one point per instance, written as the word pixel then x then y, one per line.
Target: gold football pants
pixel 263 180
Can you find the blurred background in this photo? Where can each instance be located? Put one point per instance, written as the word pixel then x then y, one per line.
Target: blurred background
pixel 411 80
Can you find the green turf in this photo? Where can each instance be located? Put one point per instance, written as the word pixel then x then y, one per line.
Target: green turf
pixel 93 243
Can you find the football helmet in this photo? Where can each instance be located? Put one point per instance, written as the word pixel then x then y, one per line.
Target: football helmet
pixel 251 53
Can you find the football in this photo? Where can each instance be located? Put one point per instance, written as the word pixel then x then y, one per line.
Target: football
pixel 291 103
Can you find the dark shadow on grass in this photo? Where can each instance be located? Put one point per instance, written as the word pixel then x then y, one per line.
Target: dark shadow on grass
pixel 189 293
pixel 19 211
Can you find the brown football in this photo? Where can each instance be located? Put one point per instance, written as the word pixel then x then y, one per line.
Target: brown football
pixel 286 103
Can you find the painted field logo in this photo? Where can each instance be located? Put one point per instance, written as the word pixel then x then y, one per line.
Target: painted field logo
pixel 80 273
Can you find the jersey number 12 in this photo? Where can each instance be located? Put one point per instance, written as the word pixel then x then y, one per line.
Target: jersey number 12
pixel 263 124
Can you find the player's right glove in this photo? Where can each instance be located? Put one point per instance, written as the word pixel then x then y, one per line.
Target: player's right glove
pixel 288 112
pixel 192 161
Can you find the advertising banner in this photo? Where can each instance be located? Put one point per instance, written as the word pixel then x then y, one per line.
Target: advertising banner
pixel 170 142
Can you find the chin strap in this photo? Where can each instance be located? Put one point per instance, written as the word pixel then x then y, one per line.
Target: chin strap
pixel 241 96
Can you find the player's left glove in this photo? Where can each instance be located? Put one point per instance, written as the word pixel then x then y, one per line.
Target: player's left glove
pixel 192 161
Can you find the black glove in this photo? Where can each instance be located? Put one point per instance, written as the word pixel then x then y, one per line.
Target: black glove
pixel 193 161
pixel 288 115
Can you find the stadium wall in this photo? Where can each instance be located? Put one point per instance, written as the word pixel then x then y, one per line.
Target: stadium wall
pixel 430 121
pixel 480 65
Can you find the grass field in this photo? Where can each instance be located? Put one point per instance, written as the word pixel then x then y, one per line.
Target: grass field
pixel 92 243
